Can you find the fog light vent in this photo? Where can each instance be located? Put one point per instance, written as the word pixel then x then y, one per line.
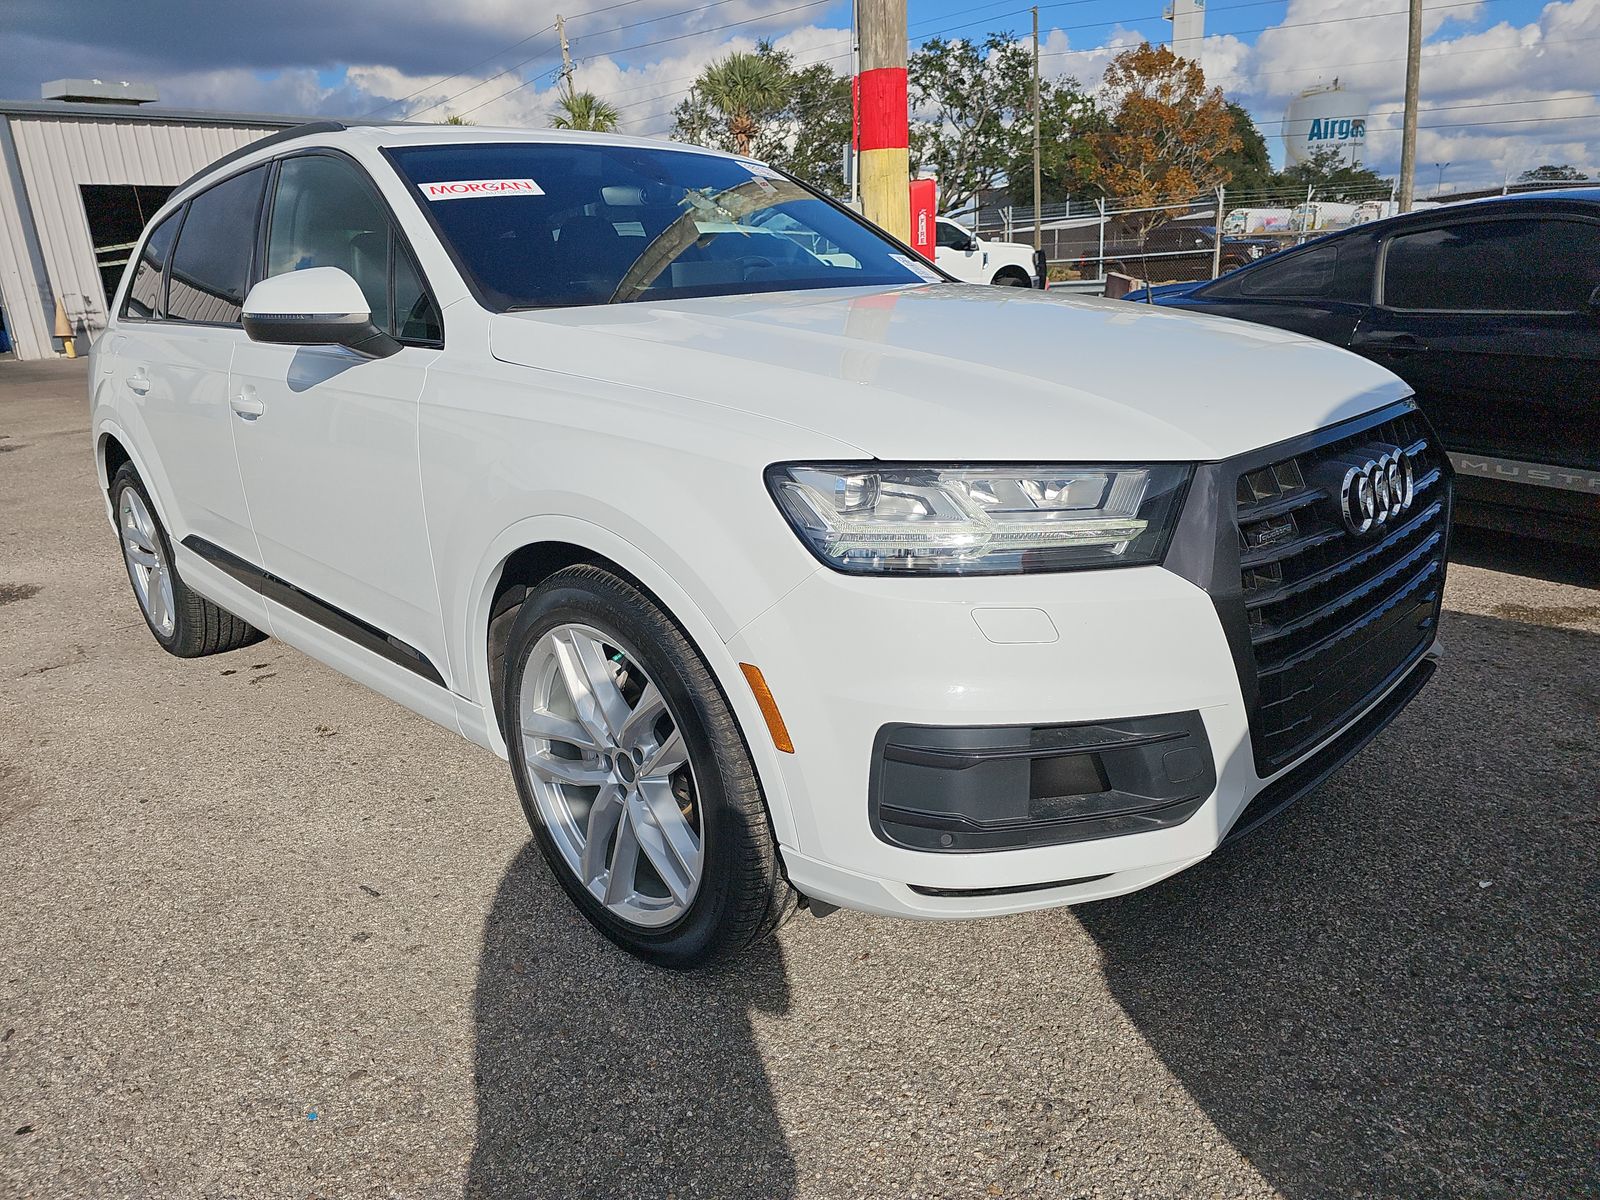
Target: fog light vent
pixel 970 788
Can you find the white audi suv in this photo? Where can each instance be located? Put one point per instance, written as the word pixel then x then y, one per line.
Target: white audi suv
pixel 782 568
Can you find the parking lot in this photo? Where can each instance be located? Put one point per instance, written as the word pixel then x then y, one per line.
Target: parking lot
pixel 265 933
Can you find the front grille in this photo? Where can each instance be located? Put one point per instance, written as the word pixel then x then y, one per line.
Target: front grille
pixel 1334 614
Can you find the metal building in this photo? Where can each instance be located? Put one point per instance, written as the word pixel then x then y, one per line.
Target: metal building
pixel 78 180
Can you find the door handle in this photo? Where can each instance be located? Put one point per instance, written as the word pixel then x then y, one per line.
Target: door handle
pixel 245 403
pixel 139 381
pixel 1388 343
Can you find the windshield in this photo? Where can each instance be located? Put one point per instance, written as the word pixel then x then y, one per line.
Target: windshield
pixel 553 224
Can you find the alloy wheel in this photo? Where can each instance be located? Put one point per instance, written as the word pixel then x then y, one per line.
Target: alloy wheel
pixel 609 770
pixel 147 564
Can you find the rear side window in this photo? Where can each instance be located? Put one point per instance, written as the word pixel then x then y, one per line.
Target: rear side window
pixel 1307 275
pixel 144 293
pixel 325 214
pixel 1525 265
pixel 211 266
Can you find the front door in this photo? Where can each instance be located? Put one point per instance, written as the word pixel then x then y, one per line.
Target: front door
pixel 958 254
pixel 327 439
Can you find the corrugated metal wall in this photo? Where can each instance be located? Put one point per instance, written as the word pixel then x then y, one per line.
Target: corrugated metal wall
pixel 54 157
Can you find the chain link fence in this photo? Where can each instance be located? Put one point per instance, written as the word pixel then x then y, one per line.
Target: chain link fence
pixel 1122 245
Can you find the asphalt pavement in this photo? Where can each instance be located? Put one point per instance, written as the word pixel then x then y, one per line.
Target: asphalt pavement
pixel 265 933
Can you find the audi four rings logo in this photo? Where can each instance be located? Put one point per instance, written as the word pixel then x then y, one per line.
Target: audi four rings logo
pixel 1377 490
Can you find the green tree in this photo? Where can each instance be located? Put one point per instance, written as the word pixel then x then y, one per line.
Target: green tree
pixel 1553 174
pixel 1066 152
pixel 736 98
pixel 802 126
pixel 452 119
pixel 970 103
pixel 1249 166
pixel 583 110
pixel 1332 177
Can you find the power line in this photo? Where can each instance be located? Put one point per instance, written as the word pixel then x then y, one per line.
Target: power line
pixel 498 53
pixel 1399 12
pixel 523 62
pixel 653 20
pixel 1443 52
pixel 481 62
pixel 1478 104
pixel 658 42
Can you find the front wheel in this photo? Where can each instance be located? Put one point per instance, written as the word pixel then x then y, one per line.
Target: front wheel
pixel 633 774
pixel 1012 279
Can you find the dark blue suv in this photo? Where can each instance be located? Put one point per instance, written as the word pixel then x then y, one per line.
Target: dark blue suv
pixel 1490 310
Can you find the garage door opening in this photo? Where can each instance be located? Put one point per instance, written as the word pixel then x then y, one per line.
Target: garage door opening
pixel 117 214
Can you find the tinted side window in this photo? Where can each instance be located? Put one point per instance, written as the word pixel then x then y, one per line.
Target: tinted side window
pixel 949 236
pixel 1526 265
pixel 324 215
pixel 211 266
pixel 1306 275
pixel 144 293
pixel 415 317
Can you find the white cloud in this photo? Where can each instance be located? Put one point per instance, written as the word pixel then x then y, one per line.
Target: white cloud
pixel 1506 72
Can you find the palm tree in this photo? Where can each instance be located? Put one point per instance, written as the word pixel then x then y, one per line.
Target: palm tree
pixel 583 110
pixel 744 89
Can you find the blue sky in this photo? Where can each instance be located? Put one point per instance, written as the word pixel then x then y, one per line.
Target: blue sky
pixel 1507 84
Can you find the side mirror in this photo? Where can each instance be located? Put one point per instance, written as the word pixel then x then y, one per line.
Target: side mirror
pixel 319 306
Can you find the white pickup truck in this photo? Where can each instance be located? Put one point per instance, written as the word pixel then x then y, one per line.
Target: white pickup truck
pixel 973 259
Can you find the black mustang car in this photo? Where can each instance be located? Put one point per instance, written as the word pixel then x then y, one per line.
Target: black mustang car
pixel 1490 310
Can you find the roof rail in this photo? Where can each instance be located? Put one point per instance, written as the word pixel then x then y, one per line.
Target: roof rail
pixel 272 139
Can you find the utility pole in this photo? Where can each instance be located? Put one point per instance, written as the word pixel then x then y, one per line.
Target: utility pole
pixel 885 135
pixel 855 107
pixel 566 55
pixel 1408 135
pixel 1038 235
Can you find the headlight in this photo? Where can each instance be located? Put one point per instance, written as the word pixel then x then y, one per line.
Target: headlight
pixel 871 518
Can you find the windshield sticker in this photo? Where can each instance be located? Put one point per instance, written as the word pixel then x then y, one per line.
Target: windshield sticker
pixel 759 170
pixel 465 189
pixel 918 268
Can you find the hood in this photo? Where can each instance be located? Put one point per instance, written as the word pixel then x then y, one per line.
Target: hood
pixel 950 372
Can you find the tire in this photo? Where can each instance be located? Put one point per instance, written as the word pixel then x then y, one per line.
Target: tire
pixel 181 620
pixel 1011 279
pixel 598 774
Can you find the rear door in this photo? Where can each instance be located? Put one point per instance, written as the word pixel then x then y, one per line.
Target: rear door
pixel 1492 321
pixel 327 439
pixel 181 327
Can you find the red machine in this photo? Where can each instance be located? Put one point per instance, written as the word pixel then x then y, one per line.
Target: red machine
pixel 924 210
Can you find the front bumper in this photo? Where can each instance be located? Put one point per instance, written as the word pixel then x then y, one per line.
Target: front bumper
pixel 846 657
pixel 855 662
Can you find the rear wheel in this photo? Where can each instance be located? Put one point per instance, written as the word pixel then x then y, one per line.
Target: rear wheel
pixel 184 622
pixel 633 774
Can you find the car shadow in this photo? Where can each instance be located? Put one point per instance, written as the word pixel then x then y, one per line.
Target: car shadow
pixel 1554 562
pixel 1393 990
pixel 598 1076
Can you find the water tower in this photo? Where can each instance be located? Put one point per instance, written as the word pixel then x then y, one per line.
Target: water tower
pixel 1188 19
pixel 1327 117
